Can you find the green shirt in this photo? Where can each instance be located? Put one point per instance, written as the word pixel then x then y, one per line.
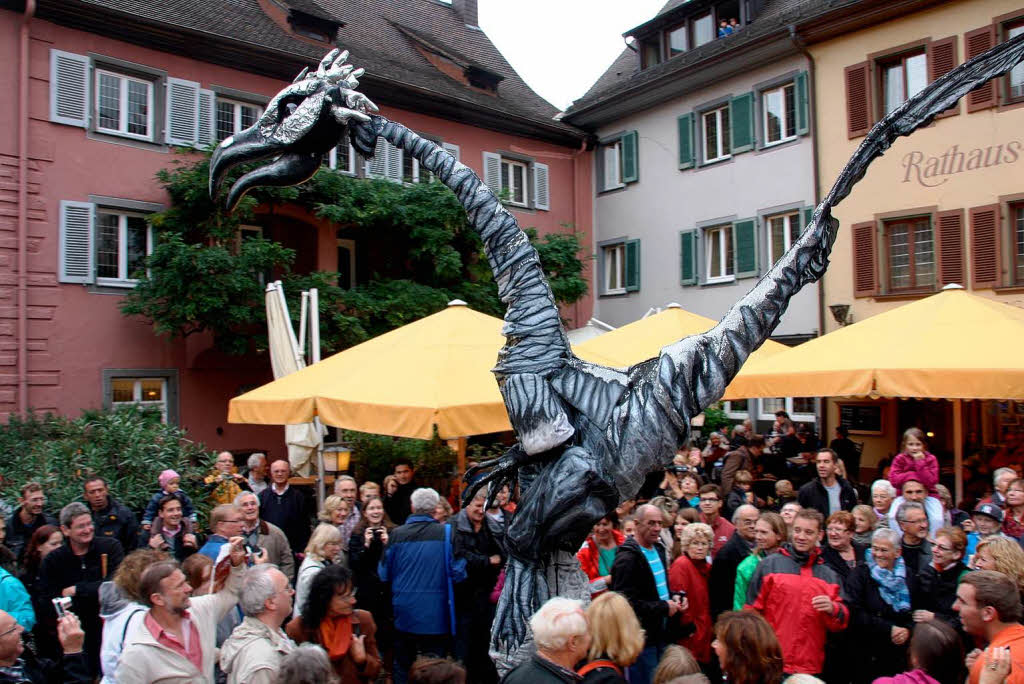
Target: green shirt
pixel 605 559
pixel 744 572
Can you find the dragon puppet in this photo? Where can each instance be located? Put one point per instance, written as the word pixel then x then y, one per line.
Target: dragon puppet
pixel 587 434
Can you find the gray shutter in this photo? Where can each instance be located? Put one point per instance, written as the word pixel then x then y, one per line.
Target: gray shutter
pixel 492 172
pixel 377 167
pixel 685 126
pixel 182 126
pixel 803 120
pixel 394 156
pixel 630 171
pixel 632 265
pixel 688 257
pixel 69 88
pixel 744 245
pixel 452 149
pixel 741 121
pixel 540 187
pixel 76 242
pixel 207 118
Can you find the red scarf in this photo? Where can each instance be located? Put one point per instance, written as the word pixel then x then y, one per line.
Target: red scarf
pixel 336 635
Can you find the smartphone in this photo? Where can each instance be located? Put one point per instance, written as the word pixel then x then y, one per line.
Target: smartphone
pixel 357 629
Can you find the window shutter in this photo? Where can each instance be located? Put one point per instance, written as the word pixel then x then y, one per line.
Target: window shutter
pixel 377 167
pixel 207 121
pixel 630 172
pixel 69 88
pixel 984 246
pixel 688 257
pixel 452 149
pixel 76 242
pixel 741 121
pixel 942 60
pixel 685 125
pixel 803 114
pixel 540 187
pixel 182 127
pixel 806 215
pixel 632 265
pixel 492 172
pixel 865 278
pixel 744 240
pixel 858 99
pixel 977 42
pixel 950 247
pixel 394 162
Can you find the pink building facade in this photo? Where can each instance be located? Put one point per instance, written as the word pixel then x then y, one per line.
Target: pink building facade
pixel 94 96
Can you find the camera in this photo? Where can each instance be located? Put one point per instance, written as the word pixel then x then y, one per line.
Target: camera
pixel 62 605
pixel 678 469
pixel 377 533
pixel 679 596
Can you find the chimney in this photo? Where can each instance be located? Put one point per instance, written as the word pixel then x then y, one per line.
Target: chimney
pixel 467 9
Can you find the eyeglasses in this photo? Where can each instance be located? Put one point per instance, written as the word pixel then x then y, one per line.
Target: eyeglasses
pixel 348 595
pixel 712 499
pixel 947 549
pixel 12 629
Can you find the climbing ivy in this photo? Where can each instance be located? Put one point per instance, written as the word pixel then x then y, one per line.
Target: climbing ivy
pixel 202 278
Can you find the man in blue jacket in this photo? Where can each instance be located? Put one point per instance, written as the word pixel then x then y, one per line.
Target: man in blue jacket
pixel 419 564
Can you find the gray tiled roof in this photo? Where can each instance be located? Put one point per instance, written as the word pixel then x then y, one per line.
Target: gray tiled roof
pixel 624 73
pixel 371 32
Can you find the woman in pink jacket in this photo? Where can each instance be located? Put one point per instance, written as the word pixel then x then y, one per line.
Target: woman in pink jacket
pixel 936 656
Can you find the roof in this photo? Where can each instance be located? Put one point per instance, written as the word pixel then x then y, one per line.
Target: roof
pixel 624 74
pixel 381 36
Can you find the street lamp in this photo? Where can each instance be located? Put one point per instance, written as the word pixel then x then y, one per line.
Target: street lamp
pixel 841 313
pixel 336 458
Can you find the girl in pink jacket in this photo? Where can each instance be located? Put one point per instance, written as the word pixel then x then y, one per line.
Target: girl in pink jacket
pixel 915 462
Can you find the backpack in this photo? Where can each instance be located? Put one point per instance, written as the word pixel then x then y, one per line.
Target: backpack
pixel 597 664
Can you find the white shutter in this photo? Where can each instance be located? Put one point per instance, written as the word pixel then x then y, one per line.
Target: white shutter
pixel 540 187
pixel 207 120
pixel 378 166
pixel 394 171
pixel 611 167
pixel 182 127
pixel 69 88
pixel 76 242
pixel 452 149
pixel 492 172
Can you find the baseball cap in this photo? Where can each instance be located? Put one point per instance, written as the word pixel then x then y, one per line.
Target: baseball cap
pixel 991 510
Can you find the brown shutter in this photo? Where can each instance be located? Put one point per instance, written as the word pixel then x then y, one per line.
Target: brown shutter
pixel 942 60
pixel 950 247
pixel 865 280
pixel 858 99
pixel 977 42
pixel 984 246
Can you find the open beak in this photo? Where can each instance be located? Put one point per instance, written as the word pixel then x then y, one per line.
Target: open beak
pixel 290 168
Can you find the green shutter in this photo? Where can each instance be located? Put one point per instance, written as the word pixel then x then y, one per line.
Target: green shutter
pixel 685 124
pixel 744 240
pixel 688 257
pixel 741 121
pixel 629 161
pixel 803 124
pixel 632 265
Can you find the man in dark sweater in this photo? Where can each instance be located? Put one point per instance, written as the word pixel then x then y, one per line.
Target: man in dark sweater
pixel 722 579
pixel 285 506
pixel 110 517
pixel 397 504
pixel 76 570
pixel 917 551
pixel 27 518
pixel 828 493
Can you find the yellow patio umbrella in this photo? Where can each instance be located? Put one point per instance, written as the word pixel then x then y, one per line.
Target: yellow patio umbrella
pixel 432 372
pixel 644 339
pixel 951 345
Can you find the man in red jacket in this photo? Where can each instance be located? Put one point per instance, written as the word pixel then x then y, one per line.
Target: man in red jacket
pixel 799 596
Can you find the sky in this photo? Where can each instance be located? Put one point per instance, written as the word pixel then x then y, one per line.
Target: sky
pixel 560 47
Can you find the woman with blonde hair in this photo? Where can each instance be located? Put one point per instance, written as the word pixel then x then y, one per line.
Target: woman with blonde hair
pixel 616 639
pixel 675 662
pixel 1002 554
pixel 322 550
pixel 335 510
pixel 689 574
pixel 865 520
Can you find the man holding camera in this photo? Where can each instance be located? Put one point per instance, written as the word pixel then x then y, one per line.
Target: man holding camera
pixel 268 538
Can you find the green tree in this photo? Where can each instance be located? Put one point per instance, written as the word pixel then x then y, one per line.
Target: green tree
pixel 200 277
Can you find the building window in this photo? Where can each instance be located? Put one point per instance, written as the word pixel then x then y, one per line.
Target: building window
pixel 124 105
pixel 346 263
pixel 715 134
pixel 1016 77
pixel 902 78
pixel 146 392
pixel 703 30
pixel 614 268
pixel 783 230
pixel 650 54
pixel 234 117
pixel 719 253
pixel 676 41
pixel 911 254
pixel 513 181
pixel 122 243
pixel 612 156
pixel 342 158
pixel 1017 222
pixel 802 406
pixel 800 409
pixel 779 114
pixel 738 409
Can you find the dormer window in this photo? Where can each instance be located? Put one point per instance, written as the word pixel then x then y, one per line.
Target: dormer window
pixel 703 29
pixel 677 41
pixel 650 53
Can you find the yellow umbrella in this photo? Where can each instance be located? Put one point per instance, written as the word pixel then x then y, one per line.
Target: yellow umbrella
pixel 644 339
pixel 435 371
pixel 951 345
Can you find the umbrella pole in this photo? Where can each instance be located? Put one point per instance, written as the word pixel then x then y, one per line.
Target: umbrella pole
pixel 958 449
pixel 459 446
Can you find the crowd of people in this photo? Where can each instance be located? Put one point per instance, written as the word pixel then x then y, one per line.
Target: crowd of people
pixel 703 577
